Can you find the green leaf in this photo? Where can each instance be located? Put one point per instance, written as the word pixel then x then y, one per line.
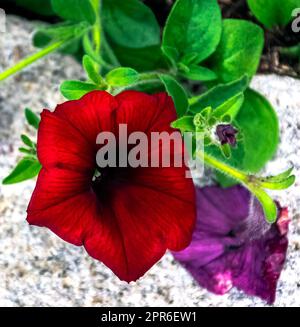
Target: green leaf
pixel 74 10
pixel 177 92
pixel 291 52
pixel 226 150
pixel 172 54
pixel 269 206
pixel 258 124
pixel 27 168
pixel 217 95
pixel 280 185
pixel 96 57
pixel 142 59
pixel 189 58
pixel 278 182
pixel 90 66
pixel 184 124
pixel 279 177
pixel 27 141
pixel 193 26
pixel 239 50
pixel 74 90
pixel 130 23
pixel 122 76
pixel 230 107
pixel 32 119
pixel 58 32
pixel 198 73
pixel 30 152
pixel 89 48
pixel 273 12
pixel 108 52
pixel 62 31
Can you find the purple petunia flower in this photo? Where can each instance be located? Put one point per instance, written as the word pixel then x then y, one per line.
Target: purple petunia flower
pixel 233 245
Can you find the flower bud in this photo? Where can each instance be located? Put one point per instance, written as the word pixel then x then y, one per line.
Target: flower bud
pixel 226 134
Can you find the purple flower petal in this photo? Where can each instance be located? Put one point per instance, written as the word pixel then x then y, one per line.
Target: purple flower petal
pixel 233 245
pixel 226 134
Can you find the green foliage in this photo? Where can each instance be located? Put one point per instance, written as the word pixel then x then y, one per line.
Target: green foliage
pixel 260 128
pixel 27 168
pixel 122 42
pixel 74 90
pixel 74 10
pixel 62 31
pixel 198 73
pixel 121 76
pixel 230 107
pixel 280 177
pixel 177 92
pixel 226 150
pixel 273 12
pixel 193 28
pixel 258 124
pixel 291 52
pixel 32 119
pixel 26 140
pixel 184 124
pixel 141 59
pixel 280 185
pixel 280 181
pixel 239 50
pixel 216 96
pixel 269 206
pixel 130 23
pixel 91 68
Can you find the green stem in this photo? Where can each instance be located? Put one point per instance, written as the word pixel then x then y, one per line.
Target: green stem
pixel 29 60
pixel 268 204
pixel 194 99
pixel 223 168
pixel 97 26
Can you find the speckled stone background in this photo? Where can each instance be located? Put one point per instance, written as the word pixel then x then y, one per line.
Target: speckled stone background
pixel 39 269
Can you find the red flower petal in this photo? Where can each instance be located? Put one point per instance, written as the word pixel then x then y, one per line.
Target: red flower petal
pixel 92 114
pixel 143 112
pixel 142 223
pixel 61 202
pixel 62 145
pixel 128 224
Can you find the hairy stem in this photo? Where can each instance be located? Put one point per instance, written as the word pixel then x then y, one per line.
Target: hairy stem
pixel 248 181
pixel 223 168
pixel 97 26
pixel 31 59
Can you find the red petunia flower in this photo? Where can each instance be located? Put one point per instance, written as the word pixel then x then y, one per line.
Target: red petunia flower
pixel 128 217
